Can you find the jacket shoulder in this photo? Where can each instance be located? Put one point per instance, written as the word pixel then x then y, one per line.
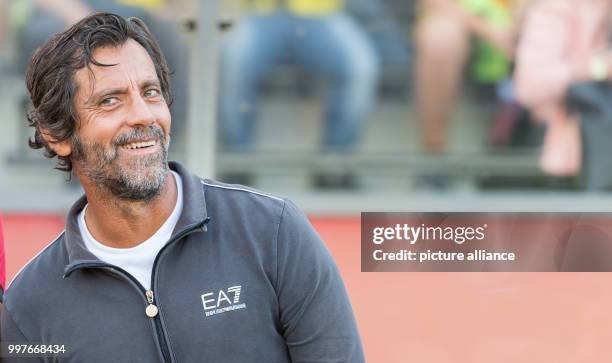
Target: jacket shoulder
pixel 242 195
pixel 37 275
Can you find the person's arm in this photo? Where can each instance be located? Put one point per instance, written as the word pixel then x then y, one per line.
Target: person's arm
pixel 316 316
pixel 543 71
pixel 2 271
pixel 501 37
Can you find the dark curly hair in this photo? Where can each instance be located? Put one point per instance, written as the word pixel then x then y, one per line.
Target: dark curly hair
pixel 50 74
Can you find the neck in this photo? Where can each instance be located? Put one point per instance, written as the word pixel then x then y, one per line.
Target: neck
pixel 122 223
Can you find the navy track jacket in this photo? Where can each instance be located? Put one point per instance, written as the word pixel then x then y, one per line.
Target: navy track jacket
pixel 244 278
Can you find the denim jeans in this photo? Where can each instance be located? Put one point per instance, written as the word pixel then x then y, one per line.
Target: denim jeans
pixel 332 47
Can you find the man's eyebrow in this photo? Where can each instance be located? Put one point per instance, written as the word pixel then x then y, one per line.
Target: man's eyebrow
pixel 119 91
pixel 107 92
pixel 149 83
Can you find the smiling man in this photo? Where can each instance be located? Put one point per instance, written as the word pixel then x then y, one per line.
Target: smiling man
pixel 156 264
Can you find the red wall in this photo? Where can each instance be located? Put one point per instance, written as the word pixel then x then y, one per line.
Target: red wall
pixel 435 317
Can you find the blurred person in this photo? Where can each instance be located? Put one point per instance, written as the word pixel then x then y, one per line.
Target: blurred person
pixel 380 23
pixel 443 34
pixel 51 16
pixel 314 34
pixel 563 42
pixel 156 263
pixel 2 263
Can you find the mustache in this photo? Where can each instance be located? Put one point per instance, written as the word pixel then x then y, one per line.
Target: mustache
pixel 139 134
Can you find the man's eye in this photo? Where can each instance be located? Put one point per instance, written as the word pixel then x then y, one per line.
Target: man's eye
pixel 152 92
pixel 109 101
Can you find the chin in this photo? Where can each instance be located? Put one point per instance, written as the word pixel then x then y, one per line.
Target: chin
pixel 142 188
pixel 138 181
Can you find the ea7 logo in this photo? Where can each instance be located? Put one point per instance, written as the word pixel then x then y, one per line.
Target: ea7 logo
pixel 222 301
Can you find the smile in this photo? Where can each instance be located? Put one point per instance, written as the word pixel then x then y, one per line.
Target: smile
pixel 139 144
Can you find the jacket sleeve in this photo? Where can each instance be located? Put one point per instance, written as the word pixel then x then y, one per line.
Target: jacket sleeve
pixel 315 313
pixel 12 334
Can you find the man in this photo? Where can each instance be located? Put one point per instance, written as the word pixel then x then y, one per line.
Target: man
pixel 156 264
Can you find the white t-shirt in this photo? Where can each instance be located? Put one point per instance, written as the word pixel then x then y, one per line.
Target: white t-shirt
pixel 138 260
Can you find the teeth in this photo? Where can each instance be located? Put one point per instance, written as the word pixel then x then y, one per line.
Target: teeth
pixel 138 145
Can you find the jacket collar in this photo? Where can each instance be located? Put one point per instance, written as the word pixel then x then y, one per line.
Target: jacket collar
pixel 193 214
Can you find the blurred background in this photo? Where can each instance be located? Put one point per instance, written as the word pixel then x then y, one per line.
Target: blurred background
pixel 347 106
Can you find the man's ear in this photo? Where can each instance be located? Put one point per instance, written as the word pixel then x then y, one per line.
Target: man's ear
pixel 61 148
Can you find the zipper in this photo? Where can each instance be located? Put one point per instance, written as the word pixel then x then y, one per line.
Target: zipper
pixel 152 310
pixel 132 280
pixel 159 324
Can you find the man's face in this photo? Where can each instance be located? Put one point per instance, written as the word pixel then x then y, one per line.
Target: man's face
pixel 124 124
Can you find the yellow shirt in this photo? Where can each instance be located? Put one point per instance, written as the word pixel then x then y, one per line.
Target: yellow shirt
pixel 298 7
pixel 147 4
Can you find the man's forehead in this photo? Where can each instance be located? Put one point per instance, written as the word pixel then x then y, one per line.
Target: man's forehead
pixel 130 63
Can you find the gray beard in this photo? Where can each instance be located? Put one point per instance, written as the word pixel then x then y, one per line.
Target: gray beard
pixel 142 181
pixel 135 186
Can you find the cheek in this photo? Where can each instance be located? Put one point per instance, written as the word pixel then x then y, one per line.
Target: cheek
pixel 99 129
pixel 162 114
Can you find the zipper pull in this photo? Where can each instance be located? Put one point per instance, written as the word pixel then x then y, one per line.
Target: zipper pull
pixel 151 309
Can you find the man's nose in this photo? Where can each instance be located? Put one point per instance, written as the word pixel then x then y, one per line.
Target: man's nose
pixel 140 113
